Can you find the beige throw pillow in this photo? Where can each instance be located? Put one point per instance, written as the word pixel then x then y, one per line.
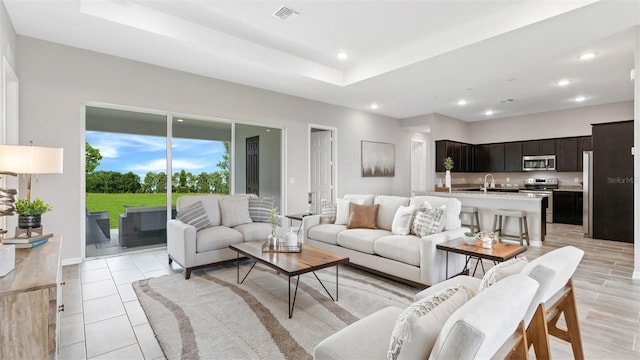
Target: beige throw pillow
pixel 417 328
pixel 501 271
pixel 362 216
pixel 402 220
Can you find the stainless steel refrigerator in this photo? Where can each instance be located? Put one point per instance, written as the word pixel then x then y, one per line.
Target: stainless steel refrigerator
pixel 587 193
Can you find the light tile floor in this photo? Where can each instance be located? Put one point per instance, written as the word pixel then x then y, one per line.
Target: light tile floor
pixel 103 318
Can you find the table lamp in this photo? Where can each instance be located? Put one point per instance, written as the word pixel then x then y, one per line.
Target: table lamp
pixel 28 160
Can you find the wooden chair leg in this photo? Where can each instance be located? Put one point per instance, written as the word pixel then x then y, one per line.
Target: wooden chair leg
pixel 538 335
pixel 516 347
pixel 567 306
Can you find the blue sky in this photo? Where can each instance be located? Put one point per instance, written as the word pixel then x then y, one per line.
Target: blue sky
pixel 141 154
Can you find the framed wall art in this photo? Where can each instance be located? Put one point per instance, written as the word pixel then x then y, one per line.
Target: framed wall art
pixel 378 159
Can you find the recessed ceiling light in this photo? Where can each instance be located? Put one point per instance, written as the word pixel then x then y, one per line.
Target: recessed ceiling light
pixel 587 56
pixel 563 82
pixel 580 99
pixel 488 112
pixel 342 55
pixel 462 102
pixel 373 106
pixel 180 120
pixel 507 101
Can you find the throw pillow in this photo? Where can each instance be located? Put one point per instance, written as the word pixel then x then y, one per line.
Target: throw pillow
pixel 259 208
pixel 501 271
pixel 418 326
pixel 402 220
pixel 328 211
pixel 428 221
pixel 362 216
pixel 195 215
pixel 235 211
pixel 342 210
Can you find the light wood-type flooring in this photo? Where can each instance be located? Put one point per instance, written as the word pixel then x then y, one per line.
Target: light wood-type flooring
pixel 105 321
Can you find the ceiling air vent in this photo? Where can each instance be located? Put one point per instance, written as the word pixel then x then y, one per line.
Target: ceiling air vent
pixel 286 14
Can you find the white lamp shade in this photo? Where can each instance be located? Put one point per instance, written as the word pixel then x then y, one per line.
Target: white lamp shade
pixel 27 159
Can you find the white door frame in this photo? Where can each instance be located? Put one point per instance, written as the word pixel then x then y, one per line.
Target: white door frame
pixel 9 127
pixel 334 157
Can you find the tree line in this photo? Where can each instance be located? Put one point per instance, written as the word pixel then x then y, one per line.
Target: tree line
pixel 155 182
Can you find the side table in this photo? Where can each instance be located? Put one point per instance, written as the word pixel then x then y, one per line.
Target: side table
pixel 297 217
pixel 498 253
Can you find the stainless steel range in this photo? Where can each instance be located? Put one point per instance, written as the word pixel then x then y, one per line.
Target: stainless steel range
pixel 542 187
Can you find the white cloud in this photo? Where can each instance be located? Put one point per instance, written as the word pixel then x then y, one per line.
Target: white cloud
pixel 160 165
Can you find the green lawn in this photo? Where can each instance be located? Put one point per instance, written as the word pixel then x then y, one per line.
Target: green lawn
pixel 114 203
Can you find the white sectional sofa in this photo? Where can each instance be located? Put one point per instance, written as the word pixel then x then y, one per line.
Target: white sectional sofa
pixel 407 258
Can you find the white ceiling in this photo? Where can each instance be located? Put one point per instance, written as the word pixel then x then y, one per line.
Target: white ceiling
pixel 409 57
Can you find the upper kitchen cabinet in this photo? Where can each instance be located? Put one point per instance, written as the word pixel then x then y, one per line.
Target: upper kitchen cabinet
pixel 567 154
pixel 461 154
pixel 513 156
pixel 490 157
pixel 539 147
pixel 584 144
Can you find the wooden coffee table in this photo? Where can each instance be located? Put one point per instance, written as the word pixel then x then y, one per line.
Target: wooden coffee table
pixel 308 260
pixel 498 253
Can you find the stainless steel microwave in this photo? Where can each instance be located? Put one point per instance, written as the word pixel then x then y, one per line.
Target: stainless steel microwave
pixel 541 162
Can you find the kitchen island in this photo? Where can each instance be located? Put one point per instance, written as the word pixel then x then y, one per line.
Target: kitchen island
pixel 534 205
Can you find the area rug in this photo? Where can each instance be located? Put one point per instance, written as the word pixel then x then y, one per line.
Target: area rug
pixel 211 317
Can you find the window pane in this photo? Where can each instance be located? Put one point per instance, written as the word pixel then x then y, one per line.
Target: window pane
pixel 126 195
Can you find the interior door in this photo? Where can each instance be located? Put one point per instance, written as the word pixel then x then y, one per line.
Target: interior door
pixel 252 167
pixel 321 167
pixel 418 166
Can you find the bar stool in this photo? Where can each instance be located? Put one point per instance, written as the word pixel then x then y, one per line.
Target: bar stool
pixel 522 222
pixel 474 220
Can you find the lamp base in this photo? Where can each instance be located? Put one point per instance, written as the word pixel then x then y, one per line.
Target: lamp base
pixel 29 232
pixel 7 259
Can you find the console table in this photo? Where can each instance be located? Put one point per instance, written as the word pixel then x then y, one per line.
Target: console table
pixel 30 303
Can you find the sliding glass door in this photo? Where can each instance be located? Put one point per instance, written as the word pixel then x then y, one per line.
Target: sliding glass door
pixel 128 177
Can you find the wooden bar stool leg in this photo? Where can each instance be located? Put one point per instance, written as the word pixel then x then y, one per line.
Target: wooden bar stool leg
pixel 526 229
pixel 477 221
pixel 495 222
pixel 521 234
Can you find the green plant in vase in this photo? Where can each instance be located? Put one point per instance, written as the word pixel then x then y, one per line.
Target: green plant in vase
pixel 448 163
pixel 30 212
pixel 274 221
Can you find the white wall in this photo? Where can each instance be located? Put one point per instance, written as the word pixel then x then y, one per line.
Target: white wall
pixel 561 123
pixel 7 35
pixel 56 80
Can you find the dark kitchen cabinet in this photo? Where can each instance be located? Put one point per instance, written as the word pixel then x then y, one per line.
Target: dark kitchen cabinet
pixel 567 207
pixel 567 154
pixel 584 144
pixel 460 153
pixel 613 181
pixel 513 156
pixel 489 157
pixel 539 147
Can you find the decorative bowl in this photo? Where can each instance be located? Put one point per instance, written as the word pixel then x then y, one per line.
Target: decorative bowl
pixel 469 240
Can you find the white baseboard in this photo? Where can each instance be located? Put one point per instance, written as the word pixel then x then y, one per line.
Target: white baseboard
pixel 636 275
pixel 72 261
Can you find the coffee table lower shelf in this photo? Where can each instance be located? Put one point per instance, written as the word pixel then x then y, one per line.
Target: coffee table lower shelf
pixel 307 260
pixel 498 253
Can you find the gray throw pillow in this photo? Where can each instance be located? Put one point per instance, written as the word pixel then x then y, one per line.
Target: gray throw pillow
pixel 195 215
pixel 427 221
pixel 234 210
pixel 259 208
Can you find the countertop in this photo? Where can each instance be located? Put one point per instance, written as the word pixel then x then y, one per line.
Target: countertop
pixel 488 195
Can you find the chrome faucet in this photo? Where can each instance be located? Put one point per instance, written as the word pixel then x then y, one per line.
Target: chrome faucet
pixel 485 182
